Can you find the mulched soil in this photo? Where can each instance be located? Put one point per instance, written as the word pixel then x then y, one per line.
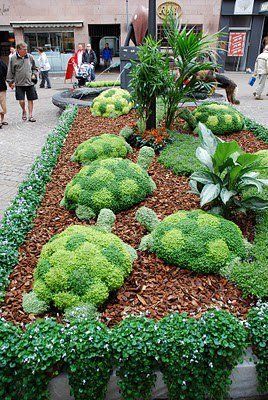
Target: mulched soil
pixel 152 288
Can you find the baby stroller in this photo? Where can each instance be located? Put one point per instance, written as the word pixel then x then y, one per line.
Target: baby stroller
pixel 83 74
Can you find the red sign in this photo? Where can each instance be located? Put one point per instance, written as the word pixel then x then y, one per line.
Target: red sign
pixel 237 42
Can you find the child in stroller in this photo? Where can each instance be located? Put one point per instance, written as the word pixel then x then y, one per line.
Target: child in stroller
pixel 83 74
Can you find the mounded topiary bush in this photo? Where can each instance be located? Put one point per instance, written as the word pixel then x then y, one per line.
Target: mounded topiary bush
pixel 113 183
pixel 101 147
pixel 221 119
pixel 102 84
pixel 194 240
pixel 112 103
pixel 81 265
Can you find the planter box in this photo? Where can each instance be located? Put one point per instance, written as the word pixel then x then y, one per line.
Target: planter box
pixel 244 384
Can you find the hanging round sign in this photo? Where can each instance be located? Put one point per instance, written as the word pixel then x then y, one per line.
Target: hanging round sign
pixel 169 6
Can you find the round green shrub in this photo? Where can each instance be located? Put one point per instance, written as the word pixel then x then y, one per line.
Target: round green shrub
pixel 113 183
pixel 112 103
pixel 219 118
pixel 198 241
pixel 80 266
pixel 101 147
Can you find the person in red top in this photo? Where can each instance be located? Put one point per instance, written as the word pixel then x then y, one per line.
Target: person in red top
pixel 79 55
pixel 70 68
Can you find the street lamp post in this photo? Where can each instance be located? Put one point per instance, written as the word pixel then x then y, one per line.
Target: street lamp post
pixel 151 123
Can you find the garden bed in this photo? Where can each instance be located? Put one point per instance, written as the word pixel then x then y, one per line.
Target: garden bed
pixel 153 287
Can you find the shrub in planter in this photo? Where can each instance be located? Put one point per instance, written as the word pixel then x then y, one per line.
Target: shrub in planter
pixel 102 84
pixel 258 328
pixel 221 119
pixel 134 352
pixel 195 240
pixel 82 265
pixel 112 103
pixel 101 147
pixel 113 183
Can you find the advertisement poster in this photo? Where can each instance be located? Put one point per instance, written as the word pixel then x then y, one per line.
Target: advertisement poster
pixel 237 42
pixel 244 7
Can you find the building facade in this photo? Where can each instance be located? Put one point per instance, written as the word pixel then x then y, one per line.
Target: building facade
pixel 61 25
pixel 244 24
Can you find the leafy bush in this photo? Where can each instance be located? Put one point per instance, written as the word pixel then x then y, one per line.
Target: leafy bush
pixel 33 305
pixel 147 218
pixel 252 276
pixel 17 221
pixel 101 147
pixel 221 119
pixel 81 265
pixel 114 183
pixel 228 171
pixel 180 156
pixel 155 138
pixel 102 84
pixel 112 103
pixel 225 340
pixel 260 131
pixel 134 351
pixel 126 132
pixel 89 359
pixel 197 240
pixel 258 327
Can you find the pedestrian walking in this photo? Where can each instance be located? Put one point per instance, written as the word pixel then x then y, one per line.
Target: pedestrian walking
pixel 44 68
pixel 107 56
pixel 261 70
pixel 3 89
pixel 22 74
pixel 79 55
pixel 89 57
pixel 12 52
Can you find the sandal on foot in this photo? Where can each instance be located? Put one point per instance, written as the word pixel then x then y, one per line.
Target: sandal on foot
pixel 4 123
pixel 24 117
pixel 32 119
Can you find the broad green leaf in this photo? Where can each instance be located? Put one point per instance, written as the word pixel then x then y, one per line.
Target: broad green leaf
pixel 226 195
pixel 193 185
pixel 209 192
pixel 248 159
pixel 204 157
pixel 209 141
pixel 250 182
pixel 205 177
pixel 223 152
pixel 255 203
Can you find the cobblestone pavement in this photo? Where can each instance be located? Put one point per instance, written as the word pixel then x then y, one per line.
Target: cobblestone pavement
pixel 21 142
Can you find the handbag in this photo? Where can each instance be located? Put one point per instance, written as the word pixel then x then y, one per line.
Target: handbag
pixel 252 81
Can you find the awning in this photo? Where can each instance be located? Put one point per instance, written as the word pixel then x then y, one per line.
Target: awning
pixel 264 8
pixel 46 24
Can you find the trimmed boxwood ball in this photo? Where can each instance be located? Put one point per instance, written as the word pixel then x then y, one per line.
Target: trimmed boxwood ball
pixel 112 103
pixel 219 118
pixel 81 265
pixel 114 183
pixel 194 240
pixel 102 84
pixel 101 147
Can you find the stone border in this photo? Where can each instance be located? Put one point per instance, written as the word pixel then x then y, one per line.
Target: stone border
pixel 244 384
pixel 73 97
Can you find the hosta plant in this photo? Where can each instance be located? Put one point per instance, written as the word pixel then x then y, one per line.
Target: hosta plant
pixel 227 171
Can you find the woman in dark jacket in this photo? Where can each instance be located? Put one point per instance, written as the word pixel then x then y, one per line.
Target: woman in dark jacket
pixel 89 57
pixel 3 89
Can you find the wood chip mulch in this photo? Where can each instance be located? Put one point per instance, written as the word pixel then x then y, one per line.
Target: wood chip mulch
pixel 152 288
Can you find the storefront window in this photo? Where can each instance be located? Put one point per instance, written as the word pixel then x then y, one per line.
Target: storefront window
pixel 56 41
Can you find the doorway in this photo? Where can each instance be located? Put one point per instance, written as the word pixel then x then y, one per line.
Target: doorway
pixel 98 34
pixel 264 33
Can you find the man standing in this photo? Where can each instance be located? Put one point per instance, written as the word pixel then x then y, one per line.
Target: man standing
pixel 22 75
pixel 12 52
pixel 89 57
pixel 3 88
pixel 44 67
pixel 261 70
pixel 107 56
